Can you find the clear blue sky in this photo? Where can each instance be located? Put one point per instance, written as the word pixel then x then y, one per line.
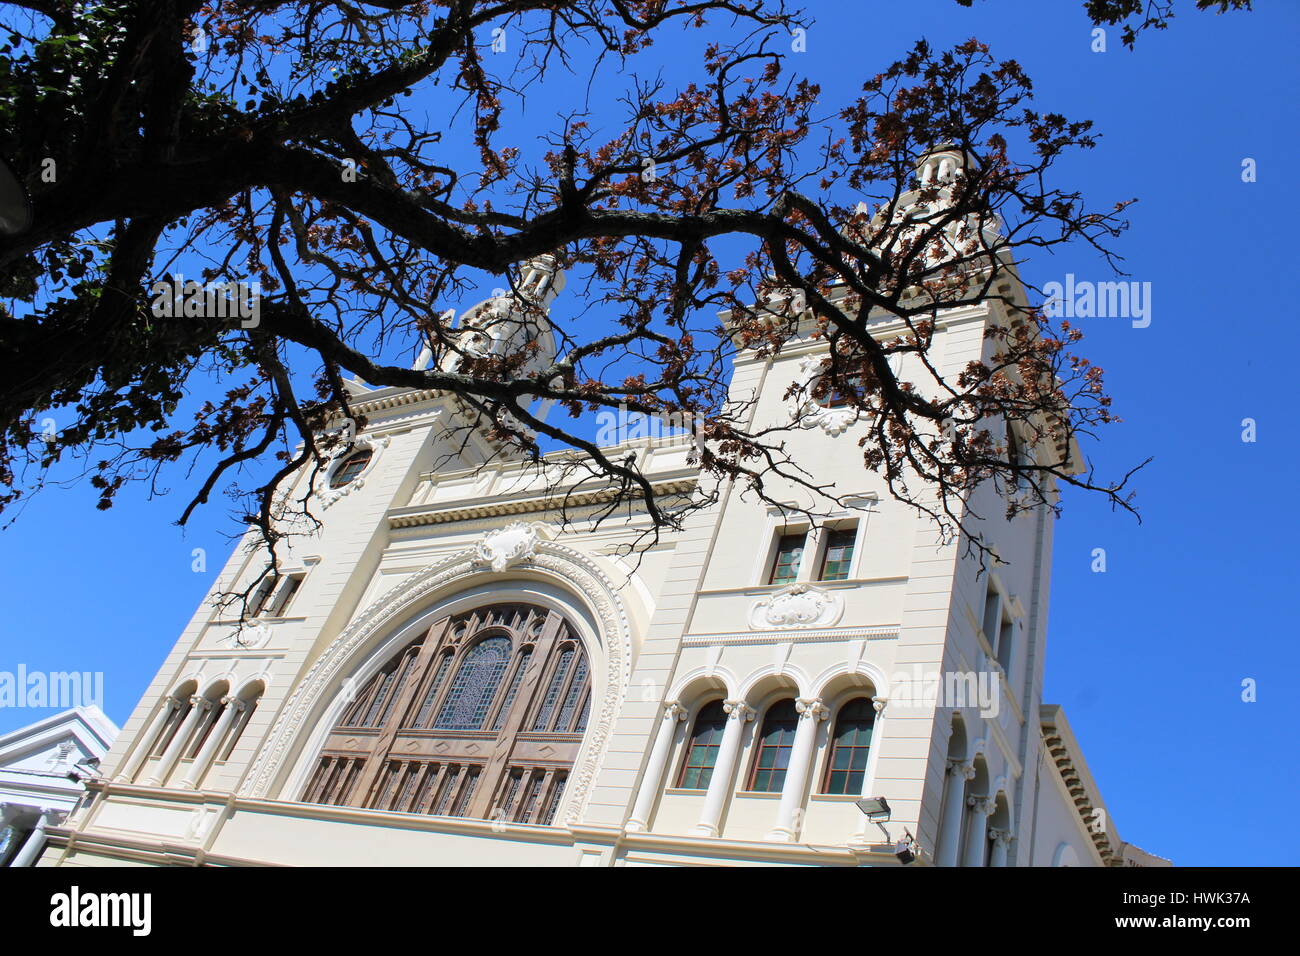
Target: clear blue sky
pixel 1148 658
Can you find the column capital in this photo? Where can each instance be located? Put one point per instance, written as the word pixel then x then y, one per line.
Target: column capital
pixel 981 804
pixel 738 710
pixel 962 768
pixel 236 704
pixel 1000 837
pixel 812 708
pixel 673 710
pixel 200 701
pixel 879 704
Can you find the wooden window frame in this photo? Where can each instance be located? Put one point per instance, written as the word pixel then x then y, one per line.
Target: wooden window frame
pixel 690 746
pixel 774 562
pixel 761 745
pixel 337 479
pixel 829 770
pixel 824 550
pixel 458 771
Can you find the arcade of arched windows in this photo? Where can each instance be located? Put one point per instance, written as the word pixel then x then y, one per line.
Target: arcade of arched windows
pixel 192 733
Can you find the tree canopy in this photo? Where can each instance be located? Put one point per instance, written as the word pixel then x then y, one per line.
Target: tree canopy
pixel 288 144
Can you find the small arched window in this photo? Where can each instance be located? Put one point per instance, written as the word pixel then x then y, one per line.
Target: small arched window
pixel 347 471
pixel 775 740
pixel 838 397
pixel 846 766
pixel 702 751
pixel 179 711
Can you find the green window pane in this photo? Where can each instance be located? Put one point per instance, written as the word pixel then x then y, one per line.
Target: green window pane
pixel 789 553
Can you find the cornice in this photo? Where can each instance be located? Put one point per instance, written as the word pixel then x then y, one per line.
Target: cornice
pixel 168 851
pixel 884 633
pixel 1084 801
pixel 420 515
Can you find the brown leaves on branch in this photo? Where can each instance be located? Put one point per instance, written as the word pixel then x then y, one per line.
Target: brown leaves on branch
pixel 285 152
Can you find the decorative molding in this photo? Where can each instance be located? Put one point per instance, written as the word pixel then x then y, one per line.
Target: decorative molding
pixel 430 514
pixel 797 606
pixel 885 633
pixel 811 414
pixel 505 547
pixel 328 495
pixel 575 572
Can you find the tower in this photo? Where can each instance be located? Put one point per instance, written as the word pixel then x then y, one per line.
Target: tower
pixel 442 672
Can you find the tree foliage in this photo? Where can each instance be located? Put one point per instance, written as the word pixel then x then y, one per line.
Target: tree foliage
pixel 279 141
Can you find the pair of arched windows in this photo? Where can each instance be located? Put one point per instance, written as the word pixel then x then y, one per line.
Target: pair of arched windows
pixel 846 762
pixel 481 716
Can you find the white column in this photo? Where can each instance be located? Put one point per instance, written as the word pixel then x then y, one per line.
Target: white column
pixel 35 841
pixel 873 758
pixel 722 782
pixel 1001 840
pixel 977 842
pixel 233 708
pixel 954 808
pixel 199 707
pixel 145 742
pixel 653 780
pixel 811 712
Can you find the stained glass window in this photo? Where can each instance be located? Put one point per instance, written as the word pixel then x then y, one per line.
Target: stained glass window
pixel 474 685
pixel 850 744
pixel 543 719
pixel 774 744
pixel 488 673
pixel 435 685
pixel 565 720
pixel 521 665
pixel 553 802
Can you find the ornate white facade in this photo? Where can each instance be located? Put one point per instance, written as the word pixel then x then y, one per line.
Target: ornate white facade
pixel 216 763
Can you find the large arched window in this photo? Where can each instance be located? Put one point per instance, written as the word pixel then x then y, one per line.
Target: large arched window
pixel 846 766
pixel 482 716
pixel 775 740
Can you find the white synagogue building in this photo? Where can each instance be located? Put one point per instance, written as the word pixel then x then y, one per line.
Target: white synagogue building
pixel 446 673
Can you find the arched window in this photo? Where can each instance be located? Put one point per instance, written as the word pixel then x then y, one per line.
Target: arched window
pixel 250 701
pixel 347 471
pixel 178 712
pixel 702 751
pixel 775 740
pixel 475 685
pixel 207 723
pixel 482 716
pixel 846 766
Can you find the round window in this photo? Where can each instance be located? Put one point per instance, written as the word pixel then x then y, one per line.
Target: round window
pixel 353 465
